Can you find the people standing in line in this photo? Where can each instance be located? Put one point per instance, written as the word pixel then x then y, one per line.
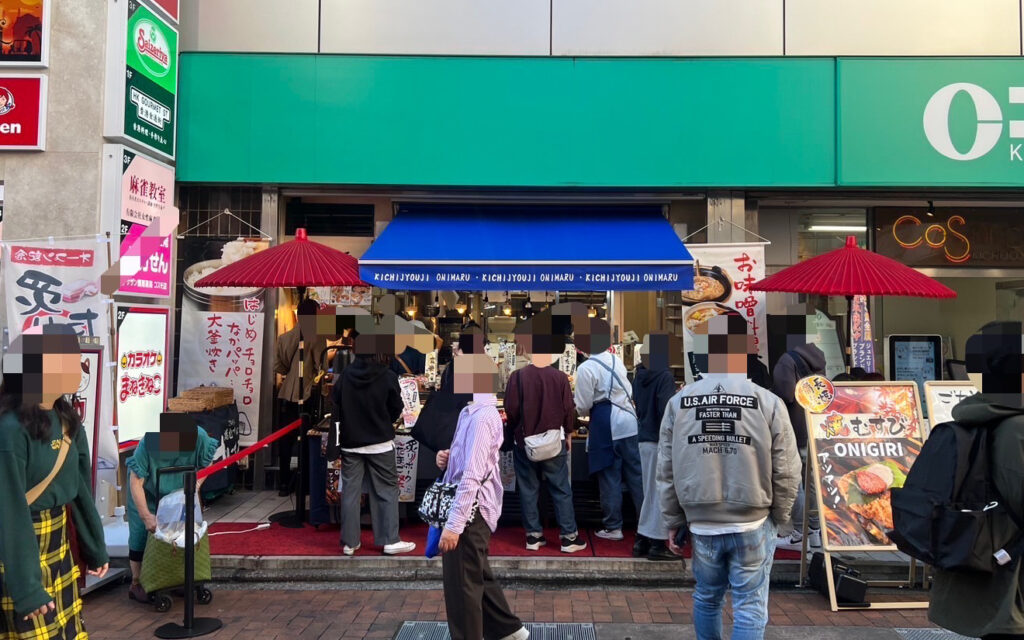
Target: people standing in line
pixel 45 473
pixel 286 368
pixel 475 603
pixel 991 606
pixel 369 401
pixel 729 469
pixel 538 400
pixel 794 365
pixel 194 449
pixel 653 386
pixel 613 452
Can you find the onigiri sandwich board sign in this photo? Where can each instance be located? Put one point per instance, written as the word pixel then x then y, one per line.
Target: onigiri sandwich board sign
pixel 864 440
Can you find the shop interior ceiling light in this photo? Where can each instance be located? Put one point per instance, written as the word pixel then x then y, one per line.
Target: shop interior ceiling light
pixel 461 307
pixel 828 228
pixel 931 209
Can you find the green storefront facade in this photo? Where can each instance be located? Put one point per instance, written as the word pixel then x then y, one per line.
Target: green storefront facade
pixel 601 123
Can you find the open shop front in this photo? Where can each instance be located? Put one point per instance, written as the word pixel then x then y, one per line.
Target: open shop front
pixel 453 266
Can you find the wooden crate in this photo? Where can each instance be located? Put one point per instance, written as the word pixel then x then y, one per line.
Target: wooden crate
pixel 186 405
pixel 212 397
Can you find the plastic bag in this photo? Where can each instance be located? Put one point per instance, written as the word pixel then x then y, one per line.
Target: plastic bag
pixel 170 519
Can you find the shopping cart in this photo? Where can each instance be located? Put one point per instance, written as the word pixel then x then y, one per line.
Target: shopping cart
pixel 163 565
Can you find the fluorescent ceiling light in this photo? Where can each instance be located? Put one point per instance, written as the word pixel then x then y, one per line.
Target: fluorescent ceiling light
pixel 837 227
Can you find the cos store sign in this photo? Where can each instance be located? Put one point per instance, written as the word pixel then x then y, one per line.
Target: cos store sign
pixel 22 112
pixel 971 237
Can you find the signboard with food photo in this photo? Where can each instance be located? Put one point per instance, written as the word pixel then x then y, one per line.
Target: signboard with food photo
pixel 864 437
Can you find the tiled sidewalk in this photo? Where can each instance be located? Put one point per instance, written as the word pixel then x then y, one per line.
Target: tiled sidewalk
pixel 333 615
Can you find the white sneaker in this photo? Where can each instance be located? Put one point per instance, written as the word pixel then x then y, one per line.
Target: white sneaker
pixel 398 547
pixel 610 534
pixel 522 634
pixel 351 551
pixel 792 542
pixel 814 538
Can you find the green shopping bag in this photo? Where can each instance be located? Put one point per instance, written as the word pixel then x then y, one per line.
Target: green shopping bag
pixel 163 565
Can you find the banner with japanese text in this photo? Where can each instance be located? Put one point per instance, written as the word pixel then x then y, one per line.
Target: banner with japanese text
pixel 141 384
pixel 863 339
pixel 723 274
pixel 941 396
pixel 864 438
pixel 56 282
pixel 224 349
pixel 407 451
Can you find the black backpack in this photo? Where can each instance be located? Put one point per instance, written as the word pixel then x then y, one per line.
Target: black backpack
pixel 949 512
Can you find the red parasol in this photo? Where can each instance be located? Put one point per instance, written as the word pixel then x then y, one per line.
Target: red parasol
pixel 852 271
pixel 298 263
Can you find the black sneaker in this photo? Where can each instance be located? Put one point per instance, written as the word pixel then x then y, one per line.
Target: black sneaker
pixel 573 544
pixel 641 547
pixel 659 552
pixel 535 542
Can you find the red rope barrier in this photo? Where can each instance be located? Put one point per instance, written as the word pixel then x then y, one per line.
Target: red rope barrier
pixel 227 462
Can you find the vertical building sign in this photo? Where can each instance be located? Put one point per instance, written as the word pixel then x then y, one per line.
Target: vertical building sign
pixel 863 340
pixel 143 61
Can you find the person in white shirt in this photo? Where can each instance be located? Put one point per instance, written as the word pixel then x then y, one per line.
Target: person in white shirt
pixel 603 392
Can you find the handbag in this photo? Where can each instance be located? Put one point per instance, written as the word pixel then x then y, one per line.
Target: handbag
pixel 436 505
pixel 544 446
pixel 37 491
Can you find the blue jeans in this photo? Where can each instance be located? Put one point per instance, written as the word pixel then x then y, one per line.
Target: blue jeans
pixel 742 562
pixel 555 473
pixel 609 481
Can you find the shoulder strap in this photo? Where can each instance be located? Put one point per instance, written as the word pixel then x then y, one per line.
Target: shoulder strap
pixel 802 369
pixel 404 366
pixel 62 455
pixel 613 379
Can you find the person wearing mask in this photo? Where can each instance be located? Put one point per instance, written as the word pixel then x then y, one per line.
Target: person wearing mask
pixel 794 365
pixel 981 605
pixel 613 452
pixel 728 468
pixel 45 469
pixel 369 401
pixel 475 603
pixel 538 399
pixel 286 368
pixel 653 386
pixel 195 449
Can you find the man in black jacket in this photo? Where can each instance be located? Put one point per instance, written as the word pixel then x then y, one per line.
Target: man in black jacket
pixel 369 401
pixel 653 386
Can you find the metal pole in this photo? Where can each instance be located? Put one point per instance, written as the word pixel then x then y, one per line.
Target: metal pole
pixel 190 549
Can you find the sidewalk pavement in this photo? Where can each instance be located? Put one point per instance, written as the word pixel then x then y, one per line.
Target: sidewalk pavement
pixel 332 614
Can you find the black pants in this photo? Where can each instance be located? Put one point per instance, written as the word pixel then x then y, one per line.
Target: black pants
pixel 476 605
pixel 288 412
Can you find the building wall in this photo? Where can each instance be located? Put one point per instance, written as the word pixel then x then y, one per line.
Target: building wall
pixel 607 27
pixel 57 191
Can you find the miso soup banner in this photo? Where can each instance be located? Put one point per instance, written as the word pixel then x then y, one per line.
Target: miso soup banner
pixel 864 441
pixel 723 274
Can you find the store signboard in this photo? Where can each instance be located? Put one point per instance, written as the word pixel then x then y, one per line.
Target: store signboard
pixel 142 334
pixel 942 395
pixel 22 112
pixel 56 282
pixel 169 7
pixel 951 237
pixel 864 438
pixel 143 62
pixel 935 121
pixel 138 190
pixel 723 276
pixel 25 31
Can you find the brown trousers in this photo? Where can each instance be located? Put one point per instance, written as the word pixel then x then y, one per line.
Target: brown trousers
pixel 476 605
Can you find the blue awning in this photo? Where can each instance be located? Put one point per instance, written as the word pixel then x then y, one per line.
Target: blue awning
pixel 524 248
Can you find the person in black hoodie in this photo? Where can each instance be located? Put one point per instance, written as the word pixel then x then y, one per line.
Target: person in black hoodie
pixel 793 366
pixel 653 386
pixel 369 401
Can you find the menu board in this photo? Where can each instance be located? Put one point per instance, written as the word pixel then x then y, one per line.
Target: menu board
pixel 864 439
pixel 940 398
pixel 141 389
pixel 917 358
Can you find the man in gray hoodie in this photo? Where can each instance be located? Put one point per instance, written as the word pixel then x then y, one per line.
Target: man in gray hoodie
pixel 728 466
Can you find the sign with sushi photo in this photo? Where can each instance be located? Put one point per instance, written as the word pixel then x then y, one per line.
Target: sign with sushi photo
pixel 863 439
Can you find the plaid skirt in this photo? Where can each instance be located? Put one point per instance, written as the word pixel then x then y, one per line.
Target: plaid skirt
pixel 60 579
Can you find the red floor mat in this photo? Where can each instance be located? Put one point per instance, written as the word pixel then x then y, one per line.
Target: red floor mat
pixel 507 542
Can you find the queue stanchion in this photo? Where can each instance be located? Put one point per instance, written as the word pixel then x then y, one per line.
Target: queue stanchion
pixel 191 627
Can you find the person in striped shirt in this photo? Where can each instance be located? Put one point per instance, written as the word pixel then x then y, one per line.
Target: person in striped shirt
pixel 473 598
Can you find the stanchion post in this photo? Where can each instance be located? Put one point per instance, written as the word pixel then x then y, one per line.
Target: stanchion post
pixel 191 626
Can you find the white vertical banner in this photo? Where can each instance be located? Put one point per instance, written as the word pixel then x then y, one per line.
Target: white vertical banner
pixel 723 275
pixel 224 349
pixel 407 451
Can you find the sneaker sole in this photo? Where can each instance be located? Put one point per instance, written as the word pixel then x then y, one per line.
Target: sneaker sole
pixel 619 539
pixel 398 553
pixel 535 547
pixel 574 548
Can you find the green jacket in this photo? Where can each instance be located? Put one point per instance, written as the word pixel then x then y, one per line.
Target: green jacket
pixel 978 604
pixel 145 464
pixel 24 463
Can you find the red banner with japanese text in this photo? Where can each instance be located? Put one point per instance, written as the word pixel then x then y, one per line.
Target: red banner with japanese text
pixel 864 437
pixel 723 274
